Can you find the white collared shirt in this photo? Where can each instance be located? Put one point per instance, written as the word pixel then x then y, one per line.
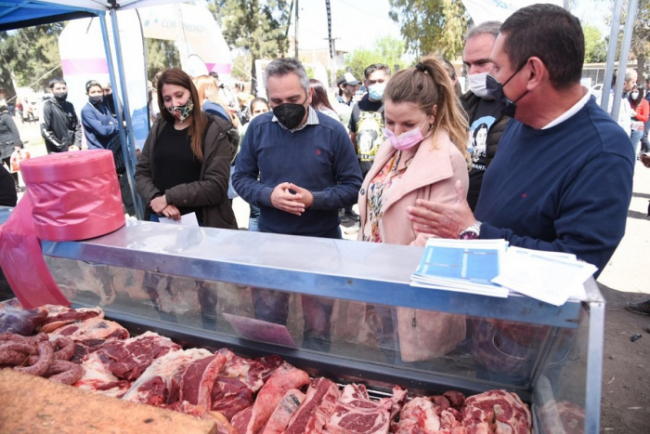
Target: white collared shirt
pixel 573 110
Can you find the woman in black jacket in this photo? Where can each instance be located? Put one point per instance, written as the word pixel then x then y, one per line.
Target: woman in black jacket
pixel 185 163
pixel 9 138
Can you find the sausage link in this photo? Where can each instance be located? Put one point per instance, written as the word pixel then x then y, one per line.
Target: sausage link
pixel 66 349
pixel 7 336
pixel 66 372
pixel 45 360
pixel 22 347
pixel 10 357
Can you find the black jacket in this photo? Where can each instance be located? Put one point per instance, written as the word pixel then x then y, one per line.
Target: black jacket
pixel 9 136
pixel 470 104
pixel 60 126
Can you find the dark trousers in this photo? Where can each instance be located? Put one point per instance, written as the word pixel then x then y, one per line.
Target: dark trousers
pixel 7 162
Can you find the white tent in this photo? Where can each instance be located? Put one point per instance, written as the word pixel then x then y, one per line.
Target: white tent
pixel 25 13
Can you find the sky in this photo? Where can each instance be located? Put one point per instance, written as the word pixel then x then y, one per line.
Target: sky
pixel 358 23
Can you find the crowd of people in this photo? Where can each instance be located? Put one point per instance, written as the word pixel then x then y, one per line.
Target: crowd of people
pixel 520 156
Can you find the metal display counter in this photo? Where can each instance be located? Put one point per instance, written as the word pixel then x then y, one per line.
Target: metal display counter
pixel 346 308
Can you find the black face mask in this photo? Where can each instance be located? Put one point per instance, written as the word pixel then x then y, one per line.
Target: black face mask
pixel 495 89
pixel 95 99
pixel 290 115
pixel 61 96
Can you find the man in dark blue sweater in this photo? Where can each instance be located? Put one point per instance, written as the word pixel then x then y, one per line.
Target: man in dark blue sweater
pixel 305 160
pixel 562 180
pixel 298 166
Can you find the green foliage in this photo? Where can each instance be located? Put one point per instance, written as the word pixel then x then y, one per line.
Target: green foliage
pixel 241 67
pixel 595 45
pixel 386 50
pixel 258 26
pixel 161 55
pixel 29 54
pixel 641 37
pixel 431 25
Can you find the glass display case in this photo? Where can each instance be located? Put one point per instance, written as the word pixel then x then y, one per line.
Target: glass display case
pixel 344 310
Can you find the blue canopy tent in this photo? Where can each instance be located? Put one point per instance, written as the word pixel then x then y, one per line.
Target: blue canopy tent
pixel 16 14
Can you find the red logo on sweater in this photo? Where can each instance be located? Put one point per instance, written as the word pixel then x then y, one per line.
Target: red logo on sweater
pixel 524 195
pixel 317 151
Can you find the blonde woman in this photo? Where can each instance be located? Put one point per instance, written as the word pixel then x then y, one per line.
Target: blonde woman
pixel 424 156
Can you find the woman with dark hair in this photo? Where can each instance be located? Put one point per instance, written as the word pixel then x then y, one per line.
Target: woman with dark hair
pixel 185 163
pixel 319 100
pixel 640 114
pixel 479 142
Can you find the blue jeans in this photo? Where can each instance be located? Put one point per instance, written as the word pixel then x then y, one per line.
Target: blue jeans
pixel 635 137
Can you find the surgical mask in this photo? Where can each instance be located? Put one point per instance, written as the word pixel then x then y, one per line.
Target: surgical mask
pixel 376 91
pixel 477 85
pixel 495 89
pixel 634 95
pixel 95 99
pixel 406 140
pixel 182 112
pixel 61 96
pixel 290 115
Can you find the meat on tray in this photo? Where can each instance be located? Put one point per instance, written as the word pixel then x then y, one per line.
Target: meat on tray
pixel 16 319
pixel 257 396
pixel 90 334
pixel 356 413
pixel 254 418
pixel 317 408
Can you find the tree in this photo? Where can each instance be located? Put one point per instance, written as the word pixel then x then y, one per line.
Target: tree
pixel 431 25
pixel 258 26
pixel 161 55
pixel 31 54
pixel 595 45
pixel 386 50
pixel 640 45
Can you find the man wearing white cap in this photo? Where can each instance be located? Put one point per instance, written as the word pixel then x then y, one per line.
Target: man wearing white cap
pixel 348 86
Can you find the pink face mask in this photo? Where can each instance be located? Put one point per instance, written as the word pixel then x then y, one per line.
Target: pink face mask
pixel 406 140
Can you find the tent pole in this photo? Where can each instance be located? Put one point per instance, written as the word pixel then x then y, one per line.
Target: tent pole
pixel 130 148
pixel 625 51
pixel 611 55
pixel 118 109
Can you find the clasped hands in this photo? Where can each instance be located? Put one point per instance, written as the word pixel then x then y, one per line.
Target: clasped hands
pixel 290 198
pixel 160 206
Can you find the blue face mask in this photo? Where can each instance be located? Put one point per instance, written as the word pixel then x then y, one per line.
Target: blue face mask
pixel 376 91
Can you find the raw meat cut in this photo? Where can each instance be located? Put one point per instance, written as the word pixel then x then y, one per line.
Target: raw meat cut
pixel 418 416
pixel 160 383
pixel 252 372
pixel 280 418
pixel 562 418
pixel 253 419
pixel 316 410
pixel 198 380
pixel 14 318
pixel 356 413
pixel 397 401
pixel 230 396
pixel 98 378
pixel 128 359
pixel 59 316
pixel 499 408
pixel 90 334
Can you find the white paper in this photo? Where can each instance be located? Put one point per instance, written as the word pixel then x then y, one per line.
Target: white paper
pixel 186 220
pixel 547 276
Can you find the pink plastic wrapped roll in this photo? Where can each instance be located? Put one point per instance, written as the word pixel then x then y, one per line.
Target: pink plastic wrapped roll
pixel 75 195
pixel 70 196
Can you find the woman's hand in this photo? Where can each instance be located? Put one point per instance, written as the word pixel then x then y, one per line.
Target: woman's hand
pixel 171 212
pixel 158 204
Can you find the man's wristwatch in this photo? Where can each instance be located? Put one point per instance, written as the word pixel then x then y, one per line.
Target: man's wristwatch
pixel 472 232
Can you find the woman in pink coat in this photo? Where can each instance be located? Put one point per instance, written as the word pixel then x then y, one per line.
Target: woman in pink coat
pixel 423 158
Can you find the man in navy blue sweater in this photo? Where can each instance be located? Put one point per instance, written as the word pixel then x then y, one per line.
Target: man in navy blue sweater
pixel 562 180
pixel 306 162
pixel 298 166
